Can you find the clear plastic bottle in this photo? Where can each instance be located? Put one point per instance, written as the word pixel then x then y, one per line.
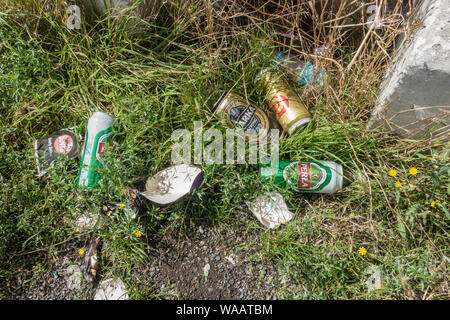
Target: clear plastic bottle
pixel 303 71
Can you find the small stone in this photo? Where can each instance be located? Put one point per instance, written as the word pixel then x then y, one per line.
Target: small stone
pixel 73 282
pixel 206 269
pixel 264 271
pixel 231 260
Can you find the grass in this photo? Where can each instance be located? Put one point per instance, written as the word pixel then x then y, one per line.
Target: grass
pixel 167 78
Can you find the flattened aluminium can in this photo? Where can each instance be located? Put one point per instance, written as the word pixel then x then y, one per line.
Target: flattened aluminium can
pixel 290 111
pixel 236 110
pixel 48 149
pixel 308 176
pixel 98 131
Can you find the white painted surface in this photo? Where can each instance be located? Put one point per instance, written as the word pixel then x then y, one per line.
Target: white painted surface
pixel 415 95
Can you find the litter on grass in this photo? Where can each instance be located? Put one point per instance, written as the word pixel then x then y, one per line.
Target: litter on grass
pixel 235 109
pixel 270 209
pixel 308 176
pixel 99 130
pixel 290 111
pixel 304 72
pixel 172 184
pixel 111 289
pixel 86 222
pixel 91 258
pixel 47 149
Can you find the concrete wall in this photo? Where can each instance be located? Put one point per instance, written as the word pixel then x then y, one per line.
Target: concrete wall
pixel 414 101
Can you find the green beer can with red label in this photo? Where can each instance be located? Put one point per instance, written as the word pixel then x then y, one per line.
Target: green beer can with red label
pixel 307 176
pixel 99 130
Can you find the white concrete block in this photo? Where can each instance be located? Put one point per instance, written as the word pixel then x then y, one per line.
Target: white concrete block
pixel 415 94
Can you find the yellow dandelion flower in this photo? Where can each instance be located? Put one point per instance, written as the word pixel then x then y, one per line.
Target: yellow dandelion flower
pixel 362 251
pixel 121 206
pixel 433 204
pixel 413 171
pixel 392 172
pixel 412 186
pixel 398 184
pixel 105 208
pixel 138 234
pixel 80 251
pixel 109 213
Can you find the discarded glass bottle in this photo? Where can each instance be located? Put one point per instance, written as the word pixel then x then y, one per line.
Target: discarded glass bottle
pixel 308 176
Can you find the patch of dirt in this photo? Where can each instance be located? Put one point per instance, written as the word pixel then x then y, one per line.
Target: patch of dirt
pixel 211 263
pixel 64 278
pixel 207 262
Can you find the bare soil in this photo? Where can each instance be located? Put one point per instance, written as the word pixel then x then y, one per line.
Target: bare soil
pixel 177 270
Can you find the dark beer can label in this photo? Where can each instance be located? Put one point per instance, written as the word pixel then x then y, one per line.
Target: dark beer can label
pixel 238 111
pixel 47 149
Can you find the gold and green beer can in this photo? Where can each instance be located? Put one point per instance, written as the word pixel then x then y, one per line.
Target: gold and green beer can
pixel 290 111
pixel 235 110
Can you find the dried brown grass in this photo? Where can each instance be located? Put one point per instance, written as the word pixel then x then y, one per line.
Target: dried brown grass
pixel 357 54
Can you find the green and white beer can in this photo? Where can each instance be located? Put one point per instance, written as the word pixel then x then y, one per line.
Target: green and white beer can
pixel 99 130
pixel 307 176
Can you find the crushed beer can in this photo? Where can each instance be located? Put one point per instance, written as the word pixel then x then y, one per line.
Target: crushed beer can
pixel 236 110
pixel 91 259
pixel 99 130
pixel 172 184
pixel 307 176
pixel 270 209
pixel 290 111
pixel 47 149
